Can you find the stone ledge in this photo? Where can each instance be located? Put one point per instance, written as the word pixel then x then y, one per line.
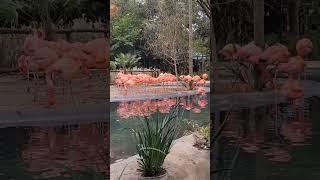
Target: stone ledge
pixel 60 115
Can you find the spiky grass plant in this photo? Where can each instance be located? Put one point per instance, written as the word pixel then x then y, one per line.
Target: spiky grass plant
pixel 154 139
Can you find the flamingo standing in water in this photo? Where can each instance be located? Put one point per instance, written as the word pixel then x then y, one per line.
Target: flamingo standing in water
pixel 70 59
pixel 295 67
pixel 276 53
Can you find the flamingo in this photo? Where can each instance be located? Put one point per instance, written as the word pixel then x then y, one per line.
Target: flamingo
pixel 196 78
pixel 229 51
pixel 203 103
pixel 71 59
pixel 128 83
pixel 294 67
pixel 276 53
pixel 304 47
pixel 249 53
pixel 201 82
pixel 205 76
pixel 292 89
pixel 201 90
pixel 196 110
pixel 98 49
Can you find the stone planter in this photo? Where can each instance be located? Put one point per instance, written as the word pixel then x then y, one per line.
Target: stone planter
pixel 160 177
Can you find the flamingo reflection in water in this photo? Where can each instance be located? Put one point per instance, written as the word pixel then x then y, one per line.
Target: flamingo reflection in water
pixel 143 108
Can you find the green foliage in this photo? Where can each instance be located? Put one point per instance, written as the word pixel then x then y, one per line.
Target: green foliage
pixel 126 28
pixel 271 39
pixel 9 12
pixel 315 36
pixel 113 65
pixel 205 132
pixel 60 12
pixel 125 61
pixel 201 46
pixel 154 141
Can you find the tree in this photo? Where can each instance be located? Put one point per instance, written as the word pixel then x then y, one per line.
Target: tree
pixel 190 38
pixel 167 32
pixel 209 9
pixel 126 28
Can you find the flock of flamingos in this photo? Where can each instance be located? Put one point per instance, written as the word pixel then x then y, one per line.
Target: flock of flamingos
pixel 129 80
pixel 277 55
pixel 71 60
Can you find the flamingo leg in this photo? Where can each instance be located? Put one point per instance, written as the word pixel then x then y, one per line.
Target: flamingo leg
pixel 35 86
pixel 50 89
pixel 125 90
pixel 71 93
pixel 28 80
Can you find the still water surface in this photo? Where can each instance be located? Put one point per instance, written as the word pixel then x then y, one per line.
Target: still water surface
pixel 48 152
pixel 124 120
pixel 269 143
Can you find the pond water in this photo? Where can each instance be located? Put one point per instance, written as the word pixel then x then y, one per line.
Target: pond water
pixel 44 152
pixel 125 118
pixel 269 143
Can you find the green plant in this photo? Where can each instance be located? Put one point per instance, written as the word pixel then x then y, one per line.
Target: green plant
pixel 201 133
pixel 154 141
pixel 126 27
pixel 205 132
pixel 126 61
pixel 113 65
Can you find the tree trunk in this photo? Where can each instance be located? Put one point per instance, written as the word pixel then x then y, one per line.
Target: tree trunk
pixel 190 39
pixel 258 15
pixel 212 46
pixel 296 18
pixel 174 52
pixel 46 20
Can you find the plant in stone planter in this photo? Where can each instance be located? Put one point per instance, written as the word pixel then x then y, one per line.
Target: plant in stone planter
pixel 154 142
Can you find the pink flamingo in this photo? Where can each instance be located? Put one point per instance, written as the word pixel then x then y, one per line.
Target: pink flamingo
pixel 249 53
pixel 292 89
pixel 276 53
pixel 229 51
pixel 304 47
pixel 294 67
pixel 201 90
pixel 205 76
